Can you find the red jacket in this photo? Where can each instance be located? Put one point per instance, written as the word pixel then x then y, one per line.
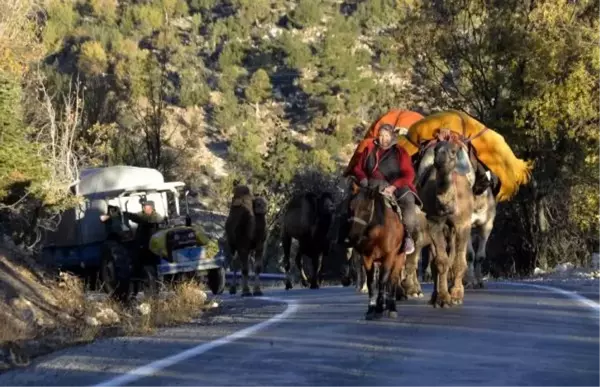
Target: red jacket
pixel 407 172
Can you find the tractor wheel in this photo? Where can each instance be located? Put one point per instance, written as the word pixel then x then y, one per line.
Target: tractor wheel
pixel 216 280
pixel 115 270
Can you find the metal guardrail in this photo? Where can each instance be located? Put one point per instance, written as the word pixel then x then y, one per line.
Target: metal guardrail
pixel 262 276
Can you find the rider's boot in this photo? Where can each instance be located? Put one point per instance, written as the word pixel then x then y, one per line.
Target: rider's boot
pixel 409 244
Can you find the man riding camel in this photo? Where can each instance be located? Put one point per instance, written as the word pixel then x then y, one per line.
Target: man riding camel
pixel 384 160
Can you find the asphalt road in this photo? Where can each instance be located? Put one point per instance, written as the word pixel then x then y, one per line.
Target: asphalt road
pixel 502 335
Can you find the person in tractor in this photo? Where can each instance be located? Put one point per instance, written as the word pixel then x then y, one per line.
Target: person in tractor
pixel 383 159
pixel 148 221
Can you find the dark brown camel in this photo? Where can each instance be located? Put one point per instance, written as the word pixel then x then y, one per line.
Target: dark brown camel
pixel 307 219
pixel 245 230
pixel 448 202
pixel 376 233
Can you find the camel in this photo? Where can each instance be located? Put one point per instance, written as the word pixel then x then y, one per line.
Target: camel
pixel 446 191
pixel 245 230
pixel 308 218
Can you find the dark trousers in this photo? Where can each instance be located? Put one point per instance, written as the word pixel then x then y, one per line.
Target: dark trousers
pixel 408 205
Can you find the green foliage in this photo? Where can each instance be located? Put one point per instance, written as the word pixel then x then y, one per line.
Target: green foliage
pixel 62 19
pixel 232 55
pixel 19 159
pixel 93 59
pixel 194 91
pixel 530 71
pixel 105 10
pixel 202 5
pixel 307 13
pixel 298 54
pixel 259 87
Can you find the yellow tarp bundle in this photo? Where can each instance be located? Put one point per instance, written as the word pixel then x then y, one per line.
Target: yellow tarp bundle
pixel 158 242
pixel 491 147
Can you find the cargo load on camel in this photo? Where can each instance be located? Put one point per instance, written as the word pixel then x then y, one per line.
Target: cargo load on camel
pixel 488 146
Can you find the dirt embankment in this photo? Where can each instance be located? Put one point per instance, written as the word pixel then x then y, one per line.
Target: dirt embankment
pixel 40 313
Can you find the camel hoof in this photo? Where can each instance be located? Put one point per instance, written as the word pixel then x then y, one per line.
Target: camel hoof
pixel 246 293
pixel 393 314
pixel 442 301
pixel 257 292
pixel 400 296
pixel 232 290
pixel 288 285
pixel 457 301
pixel 370 313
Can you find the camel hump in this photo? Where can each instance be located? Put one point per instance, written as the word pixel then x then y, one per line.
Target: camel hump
pixel 301 214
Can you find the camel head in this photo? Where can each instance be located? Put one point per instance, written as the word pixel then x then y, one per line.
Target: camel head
pixel 326 204
pixel 446 156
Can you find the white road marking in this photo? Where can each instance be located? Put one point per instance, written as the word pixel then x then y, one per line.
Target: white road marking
pixel 155 366
pixel 569 294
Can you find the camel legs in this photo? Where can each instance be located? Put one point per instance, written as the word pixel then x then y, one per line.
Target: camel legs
pixel 477 255
pixel 440 267
pixel 459 266
pixel 317 263
pixel 287 245
pixel 244 256
pixel 258 264
pixel 426 258
pixel 303 277
pixel 411 284
pixel 233 264
pixel 480 255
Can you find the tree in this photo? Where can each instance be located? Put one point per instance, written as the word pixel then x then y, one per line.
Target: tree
pixel 530 71
pixel 258 89
pixel 93 59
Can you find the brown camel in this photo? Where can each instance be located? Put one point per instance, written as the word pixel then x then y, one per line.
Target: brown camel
pixel 245 230
pixel 447 197
pixel 482 222
pixel 307 219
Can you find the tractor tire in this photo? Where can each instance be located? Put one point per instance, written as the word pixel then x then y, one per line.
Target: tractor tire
pixel 216 280
pixel 116 270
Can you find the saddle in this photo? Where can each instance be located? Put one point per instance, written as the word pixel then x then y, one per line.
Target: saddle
pixel 388 200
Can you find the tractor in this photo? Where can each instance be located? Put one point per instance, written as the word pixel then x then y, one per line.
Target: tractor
pixel 109 252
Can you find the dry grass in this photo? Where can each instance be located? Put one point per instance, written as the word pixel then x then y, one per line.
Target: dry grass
pixel 39 315
pixel 186 302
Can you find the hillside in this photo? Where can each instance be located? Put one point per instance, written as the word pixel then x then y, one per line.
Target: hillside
pixel 215 86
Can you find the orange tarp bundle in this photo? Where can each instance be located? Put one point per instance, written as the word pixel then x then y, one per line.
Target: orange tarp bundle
pixel 396 117
pixel 491 147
